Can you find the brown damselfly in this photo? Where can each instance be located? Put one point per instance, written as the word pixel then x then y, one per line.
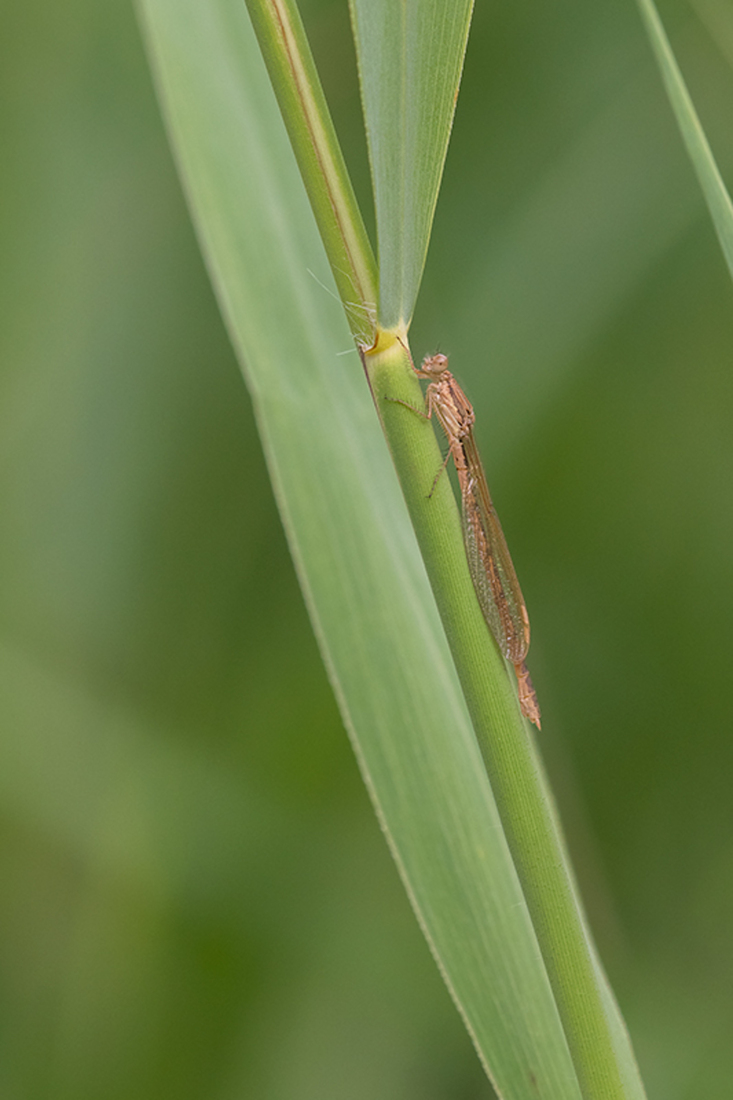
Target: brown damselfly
pixel 489 562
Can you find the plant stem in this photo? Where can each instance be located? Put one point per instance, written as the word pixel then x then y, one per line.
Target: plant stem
pixel 516 776
pixel 294 77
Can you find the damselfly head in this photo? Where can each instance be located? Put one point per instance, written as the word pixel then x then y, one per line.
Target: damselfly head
pixel 434 365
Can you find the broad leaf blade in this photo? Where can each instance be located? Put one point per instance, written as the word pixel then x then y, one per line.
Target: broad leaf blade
pixel 354 548
pixel 693 135
pixel 410 61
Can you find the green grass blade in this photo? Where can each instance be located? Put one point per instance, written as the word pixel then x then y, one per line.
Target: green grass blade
pixel 410 62
pixel 693 135
pixel 355 550
pixel 523 801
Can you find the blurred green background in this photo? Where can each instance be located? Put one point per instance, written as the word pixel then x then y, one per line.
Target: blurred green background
pixel 197 901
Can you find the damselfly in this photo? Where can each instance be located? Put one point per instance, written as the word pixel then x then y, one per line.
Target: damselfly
pixel 490 564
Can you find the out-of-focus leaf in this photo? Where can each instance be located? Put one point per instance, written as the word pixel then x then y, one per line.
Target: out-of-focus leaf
pixel 693 135
pixel 410 61
pixel 355 551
